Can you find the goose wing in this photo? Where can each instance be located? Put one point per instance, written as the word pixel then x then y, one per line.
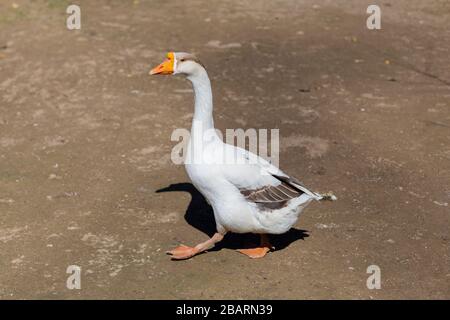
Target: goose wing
pixel 261 182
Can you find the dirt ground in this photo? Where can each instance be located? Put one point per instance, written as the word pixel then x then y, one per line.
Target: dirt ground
pixel 85 171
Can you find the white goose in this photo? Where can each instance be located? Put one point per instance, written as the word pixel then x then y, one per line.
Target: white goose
pixel 247 194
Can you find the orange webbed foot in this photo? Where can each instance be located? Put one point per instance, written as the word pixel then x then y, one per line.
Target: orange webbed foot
pixel 261 251
pixel 182 252
pixel 255 253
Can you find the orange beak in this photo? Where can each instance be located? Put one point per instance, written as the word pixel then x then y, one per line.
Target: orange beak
pixel 166 67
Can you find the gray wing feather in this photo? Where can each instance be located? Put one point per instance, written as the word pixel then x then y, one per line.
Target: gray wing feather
pixel 275 197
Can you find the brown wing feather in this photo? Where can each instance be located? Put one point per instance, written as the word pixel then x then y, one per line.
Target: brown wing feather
pixel 294 183
pixel 272 197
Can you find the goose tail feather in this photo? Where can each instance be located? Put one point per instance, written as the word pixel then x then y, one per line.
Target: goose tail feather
pixel 329 196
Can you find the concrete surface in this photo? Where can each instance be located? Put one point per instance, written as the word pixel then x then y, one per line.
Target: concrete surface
pixel 85 145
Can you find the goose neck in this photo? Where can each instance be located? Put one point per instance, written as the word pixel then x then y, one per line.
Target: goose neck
pixel 203 100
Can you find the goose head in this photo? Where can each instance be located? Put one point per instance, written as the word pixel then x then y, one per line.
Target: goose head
pixel 179 63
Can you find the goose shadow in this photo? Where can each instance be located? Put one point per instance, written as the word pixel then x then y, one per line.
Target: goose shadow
pixel 199 215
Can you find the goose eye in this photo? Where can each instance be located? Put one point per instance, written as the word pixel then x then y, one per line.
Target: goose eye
pixel 181 59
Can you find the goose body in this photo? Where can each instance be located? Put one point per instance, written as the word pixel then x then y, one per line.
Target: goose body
pixel 246 192
pixel 247 197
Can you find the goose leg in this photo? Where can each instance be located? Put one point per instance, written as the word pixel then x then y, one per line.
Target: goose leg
pixel 184 252
pixel 260 251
